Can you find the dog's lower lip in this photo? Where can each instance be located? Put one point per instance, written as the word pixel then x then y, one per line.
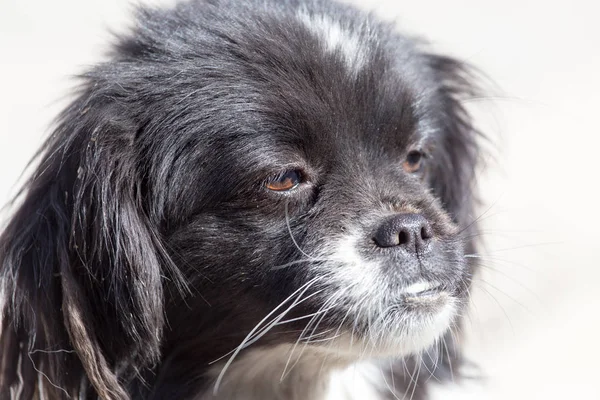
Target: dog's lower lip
pixel 423 289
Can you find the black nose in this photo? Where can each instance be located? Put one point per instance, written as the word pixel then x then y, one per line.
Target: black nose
pixel 409 231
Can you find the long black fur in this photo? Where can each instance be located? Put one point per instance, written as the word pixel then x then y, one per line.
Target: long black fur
pixel 138 248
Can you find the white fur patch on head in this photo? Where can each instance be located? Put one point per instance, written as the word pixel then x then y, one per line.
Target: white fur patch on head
pixel 337 38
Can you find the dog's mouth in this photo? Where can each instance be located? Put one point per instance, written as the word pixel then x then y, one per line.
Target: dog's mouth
pixel 402 323
pixel 424 292
pixel 423 289
pixel 425 297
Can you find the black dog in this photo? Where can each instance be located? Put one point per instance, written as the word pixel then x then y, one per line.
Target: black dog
pixel 249 200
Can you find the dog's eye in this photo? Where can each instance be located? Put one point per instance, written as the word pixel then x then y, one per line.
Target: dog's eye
pixel 288 180
pixel 413 161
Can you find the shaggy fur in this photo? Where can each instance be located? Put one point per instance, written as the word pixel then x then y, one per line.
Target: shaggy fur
pixel 147 259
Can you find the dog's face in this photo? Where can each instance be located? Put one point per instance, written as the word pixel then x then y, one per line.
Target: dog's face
pixel 291 179
pixel 319 191
pixel 317 197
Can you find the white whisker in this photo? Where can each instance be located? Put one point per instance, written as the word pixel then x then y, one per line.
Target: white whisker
pixel 300 290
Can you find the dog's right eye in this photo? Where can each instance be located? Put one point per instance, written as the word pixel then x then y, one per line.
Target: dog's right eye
pixel 413 161
pixel 285 181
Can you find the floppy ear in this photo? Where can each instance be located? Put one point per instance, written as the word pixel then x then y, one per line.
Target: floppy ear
pixel 81 263
pixel 456 164
pixel 458 155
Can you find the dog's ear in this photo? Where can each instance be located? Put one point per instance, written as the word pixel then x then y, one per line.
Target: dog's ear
pixel 458 152
pixel 81 263
pixel 455 166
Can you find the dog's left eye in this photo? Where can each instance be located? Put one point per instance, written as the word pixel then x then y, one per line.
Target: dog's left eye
pixel 285 181
pixel 413 161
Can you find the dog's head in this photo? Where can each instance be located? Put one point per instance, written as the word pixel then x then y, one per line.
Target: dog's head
pixel 281 173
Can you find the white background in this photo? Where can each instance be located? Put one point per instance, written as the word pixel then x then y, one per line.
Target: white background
pixel 534 326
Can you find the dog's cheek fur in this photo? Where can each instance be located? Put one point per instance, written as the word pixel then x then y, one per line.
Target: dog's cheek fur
pixel 82 263
pixel 228 255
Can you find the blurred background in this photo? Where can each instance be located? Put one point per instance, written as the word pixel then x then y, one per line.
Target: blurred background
pixel 534 327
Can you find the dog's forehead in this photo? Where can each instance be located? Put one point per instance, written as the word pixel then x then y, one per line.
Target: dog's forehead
pixel 336 36
pixel 318 74
pixel 321 75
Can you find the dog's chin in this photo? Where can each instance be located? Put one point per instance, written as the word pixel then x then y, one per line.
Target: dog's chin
pixel 407 326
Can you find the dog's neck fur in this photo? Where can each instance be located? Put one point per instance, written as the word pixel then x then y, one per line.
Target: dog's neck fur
pixel 283 372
